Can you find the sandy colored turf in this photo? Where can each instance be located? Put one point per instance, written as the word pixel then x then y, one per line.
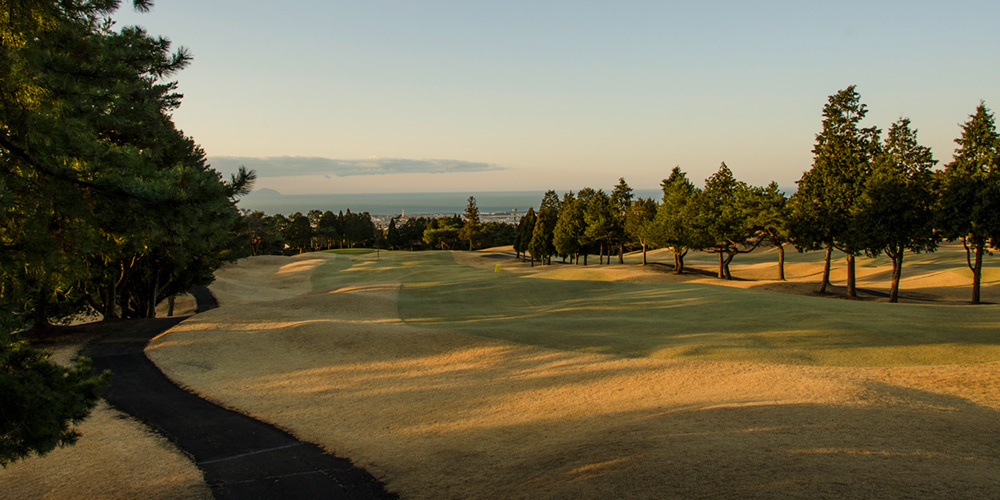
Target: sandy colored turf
pixel 116 457
pixel 425 369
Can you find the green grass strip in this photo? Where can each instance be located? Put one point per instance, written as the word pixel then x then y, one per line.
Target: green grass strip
pixel 674 321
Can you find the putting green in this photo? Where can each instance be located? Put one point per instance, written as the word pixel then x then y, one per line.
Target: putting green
pixel 670 320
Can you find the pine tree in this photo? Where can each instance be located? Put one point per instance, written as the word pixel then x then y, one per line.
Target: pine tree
pixel 541 246
pixel 599 223
pixel 525 227
pixel 970 196
pixel 621 200
pixel 768 212
pixel 639 224
pixel 829 192
pixel 724 219
pixel 895 212
pixel 472 227
pixel 568 227
pixel 676 217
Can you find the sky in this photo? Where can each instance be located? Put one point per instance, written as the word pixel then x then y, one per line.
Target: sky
pixel 382 96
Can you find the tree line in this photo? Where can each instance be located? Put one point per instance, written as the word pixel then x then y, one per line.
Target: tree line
pixel 864 195
pixel 104 204
pixel 318 230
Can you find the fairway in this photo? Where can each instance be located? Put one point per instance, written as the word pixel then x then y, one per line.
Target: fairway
pixel 450 378
pixel 677 320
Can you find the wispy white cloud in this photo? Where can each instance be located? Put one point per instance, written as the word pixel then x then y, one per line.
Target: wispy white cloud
pixel 292 166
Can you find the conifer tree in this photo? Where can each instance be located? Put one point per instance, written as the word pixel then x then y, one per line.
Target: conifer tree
pixel 970 196
pixel 472 227
pixel 600 223
pixel 541 246
pixel 769 211
pixel 895 212
pixel 568 227
pixel 525 227
pixel 723 219
pixel 676 217
pixel 621 200
pixel 639 224
pixel 829 192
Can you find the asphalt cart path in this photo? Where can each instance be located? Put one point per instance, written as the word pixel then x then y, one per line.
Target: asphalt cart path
pixel 240 457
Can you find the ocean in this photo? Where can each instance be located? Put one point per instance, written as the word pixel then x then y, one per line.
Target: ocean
pixel 384 204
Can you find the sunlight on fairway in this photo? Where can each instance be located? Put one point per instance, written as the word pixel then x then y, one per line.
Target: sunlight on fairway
pixel 556 307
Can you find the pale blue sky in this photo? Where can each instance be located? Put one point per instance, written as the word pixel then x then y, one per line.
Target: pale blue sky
pixel 562 95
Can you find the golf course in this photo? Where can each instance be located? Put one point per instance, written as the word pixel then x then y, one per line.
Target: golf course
pixel 477 375
pixel 449 377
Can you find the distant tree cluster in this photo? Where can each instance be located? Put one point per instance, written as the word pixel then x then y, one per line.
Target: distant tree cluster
pixel 277 234
pixel 104 204
pixel 863 195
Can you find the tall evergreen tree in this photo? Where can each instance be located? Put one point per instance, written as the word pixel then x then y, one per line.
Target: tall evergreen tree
pixel 568 227
pixel 895 212
pixel 298 233
pixel 541 246
pixel 392 236
pixel 525 227
pixel 970 196
pixel 472 227
pixel 769 212
pixel 621 200
pixel 102 200
pixel 639 223
pixel 600 223
pixel 725 218
pixel 829 192
pixel 676 217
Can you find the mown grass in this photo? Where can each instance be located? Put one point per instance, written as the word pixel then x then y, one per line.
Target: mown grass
pixel 678 321
pixel 350 251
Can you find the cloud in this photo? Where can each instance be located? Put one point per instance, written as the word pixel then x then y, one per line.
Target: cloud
pixel 291 166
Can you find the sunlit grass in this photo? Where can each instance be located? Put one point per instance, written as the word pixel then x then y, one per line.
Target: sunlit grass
pixel 675 320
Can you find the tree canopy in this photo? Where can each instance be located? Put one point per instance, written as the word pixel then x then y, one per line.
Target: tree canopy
pixel 103 202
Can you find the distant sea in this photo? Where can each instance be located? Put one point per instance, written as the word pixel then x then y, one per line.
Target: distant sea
pixel 272 202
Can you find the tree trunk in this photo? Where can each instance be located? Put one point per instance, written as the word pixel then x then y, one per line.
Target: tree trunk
pixel 170 306
pixel 584 258
pixel 977 273
pixel 725 265
pixel 110 302
pixel 781 262
pixel 897 271
pixel 621 254
pixel 722 274
pixel 679 262
pixel 852 291
pixel 826 270
pixel 644 254
pixel 42 310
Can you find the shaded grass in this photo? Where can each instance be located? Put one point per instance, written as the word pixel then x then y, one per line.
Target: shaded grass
pixel 350 251
pixel 676 320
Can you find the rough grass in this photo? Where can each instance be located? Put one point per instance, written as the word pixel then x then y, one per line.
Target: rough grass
pixel 671 320
pixel 449 380
pixel 115 457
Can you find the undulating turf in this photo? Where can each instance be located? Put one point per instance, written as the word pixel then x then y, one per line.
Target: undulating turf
pixel 351 251
pixel 671 320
